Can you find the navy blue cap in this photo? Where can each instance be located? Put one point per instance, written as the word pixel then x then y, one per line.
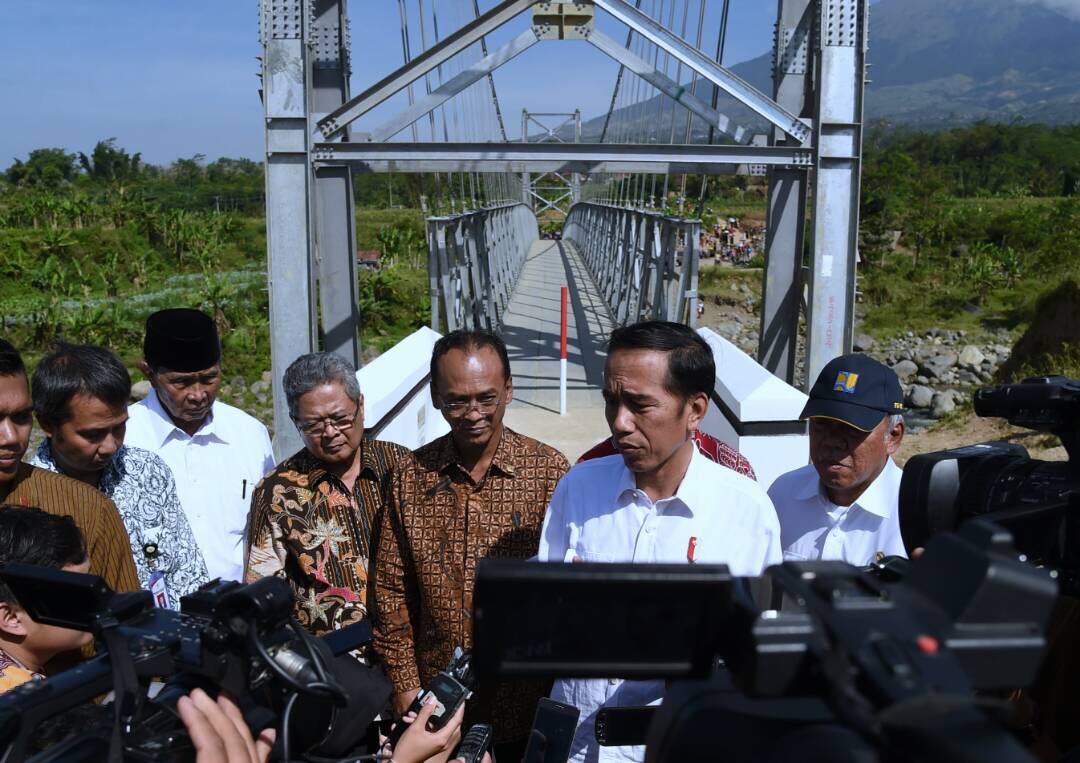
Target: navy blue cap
pixel 856 390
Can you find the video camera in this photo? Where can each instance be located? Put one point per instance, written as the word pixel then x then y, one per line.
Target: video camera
pixel 241 639
pixel 1035 500
pixel 852 667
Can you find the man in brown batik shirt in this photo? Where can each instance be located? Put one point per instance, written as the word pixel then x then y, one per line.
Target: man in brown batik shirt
pixel 315 516
pixel 479 491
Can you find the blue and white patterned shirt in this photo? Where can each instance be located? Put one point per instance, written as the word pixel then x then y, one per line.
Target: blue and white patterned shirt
pixel 141 485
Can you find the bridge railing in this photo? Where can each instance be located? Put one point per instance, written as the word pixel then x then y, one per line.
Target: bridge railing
pixel 645 264
pixel 474 260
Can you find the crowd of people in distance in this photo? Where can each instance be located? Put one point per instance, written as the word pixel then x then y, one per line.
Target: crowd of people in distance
pixel 180 488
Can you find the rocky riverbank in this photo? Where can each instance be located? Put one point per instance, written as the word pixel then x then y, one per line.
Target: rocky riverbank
pixel 939 369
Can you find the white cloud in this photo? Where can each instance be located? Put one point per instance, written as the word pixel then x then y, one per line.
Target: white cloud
pixel 1067 8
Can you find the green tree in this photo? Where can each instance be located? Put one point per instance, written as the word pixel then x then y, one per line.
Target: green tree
pixel 45 167
pixel 189 170
pixel 108 163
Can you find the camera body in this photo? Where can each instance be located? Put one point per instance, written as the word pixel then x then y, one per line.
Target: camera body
pixel 999 482
pixel 229 637
pixel 854 666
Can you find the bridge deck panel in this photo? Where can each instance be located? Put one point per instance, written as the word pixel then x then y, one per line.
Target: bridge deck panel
pixel 531 332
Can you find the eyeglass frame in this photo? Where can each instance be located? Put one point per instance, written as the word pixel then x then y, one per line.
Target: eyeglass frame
pixel 457 408
pixel 307 430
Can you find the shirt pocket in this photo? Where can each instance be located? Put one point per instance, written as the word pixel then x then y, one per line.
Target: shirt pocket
pixel 795 556
pixel 586 555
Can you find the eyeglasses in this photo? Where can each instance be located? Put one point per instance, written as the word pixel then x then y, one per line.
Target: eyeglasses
pixel 484 404
pixel 341 423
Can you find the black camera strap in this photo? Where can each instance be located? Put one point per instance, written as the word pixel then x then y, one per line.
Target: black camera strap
pixel 128 699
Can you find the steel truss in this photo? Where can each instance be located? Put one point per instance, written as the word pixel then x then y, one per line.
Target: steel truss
pixel 814 152
pixel 645 264
pixel 474 260
pixel 561 191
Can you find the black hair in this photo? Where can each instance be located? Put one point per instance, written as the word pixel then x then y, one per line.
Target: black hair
pixel 691 368
pixel 32 536
pixel 469 340
pixel 73 369
pixel 11 362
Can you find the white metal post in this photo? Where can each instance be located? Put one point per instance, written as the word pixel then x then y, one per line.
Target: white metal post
pixel 840 67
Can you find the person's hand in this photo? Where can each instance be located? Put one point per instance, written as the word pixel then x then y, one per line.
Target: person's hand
pixel 419 744
pixel 402 700
pixel 218 731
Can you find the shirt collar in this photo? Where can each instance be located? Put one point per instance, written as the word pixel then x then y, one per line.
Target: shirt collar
pixel 687 493
pixel 810 489
pixel 317 471
pixel 879 498
pixel 502 461
pixel 112 473
pixel 164 428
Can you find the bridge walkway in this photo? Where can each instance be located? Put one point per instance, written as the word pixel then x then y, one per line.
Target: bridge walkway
pixel 531 332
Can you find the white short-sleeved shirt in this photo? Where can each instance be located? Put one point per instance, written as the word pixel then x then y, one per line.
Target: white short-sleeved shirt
pixel 813 527
pixel 215 470
pixel 598 515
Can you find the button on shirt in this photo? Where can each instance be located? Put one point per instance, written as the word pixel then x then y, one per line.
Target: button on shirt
pixel 598 514
pixel 813 527
pixel 216 471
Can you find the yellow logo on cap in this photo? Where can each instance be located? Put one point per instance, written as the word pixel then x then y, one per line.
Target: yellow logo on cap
pixel 845 382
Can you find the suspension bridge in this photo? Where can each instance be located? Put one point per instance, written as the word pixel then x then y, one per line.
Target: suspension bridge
pixel 630 245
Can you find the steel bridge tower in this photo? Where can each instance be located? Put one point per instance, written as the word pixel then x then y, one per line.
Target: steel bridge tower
pixel 812 151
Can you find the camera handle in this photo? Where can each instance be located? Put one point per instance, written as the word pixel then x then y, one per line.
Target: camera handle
pixel 128 700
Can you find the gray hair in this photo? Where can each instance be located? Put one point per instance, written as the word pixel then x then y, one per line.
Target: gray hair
pixel 894 419
pixel 310 371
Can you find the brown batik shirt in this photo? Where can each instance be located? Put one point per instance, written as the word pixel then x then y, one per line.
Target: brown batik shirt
pixel 443 523
pixel 305 526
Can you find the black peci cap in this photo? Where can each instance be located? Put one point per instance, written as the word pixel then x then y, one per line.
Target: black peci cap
pixel 181 340
pixel 856 390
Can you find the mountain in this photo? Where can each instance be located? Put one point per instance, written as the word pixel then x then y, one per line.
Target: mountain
pixel 943 63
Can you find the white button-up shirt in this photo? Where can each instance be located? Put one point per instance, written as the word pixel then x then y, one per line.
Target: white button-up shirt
pixel 216 470
pixel 813 527
pixel 598 514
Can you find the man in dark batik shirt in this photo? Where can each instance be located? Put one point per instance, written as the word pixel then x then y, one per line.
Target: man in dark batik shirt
pixel 314 517
pixel 478 492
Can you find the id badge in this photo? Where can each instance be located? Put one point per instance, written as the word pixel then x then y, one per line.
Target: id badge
pixel 158 589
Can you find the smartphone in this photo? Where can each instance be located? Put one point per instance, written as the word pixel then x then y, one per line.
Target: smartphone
pixel 552 732
pixel 449 695
pixel 474 744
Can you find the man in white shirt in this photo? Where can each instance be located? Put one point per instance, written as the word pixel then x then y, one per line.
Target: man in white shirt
pixel 657 500
pixel 843 505
pixel 216 452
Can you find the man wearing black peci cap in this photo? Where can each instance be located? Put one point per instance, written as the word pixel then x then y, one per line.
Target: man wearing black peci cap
pixel 843 505
pixel 217 453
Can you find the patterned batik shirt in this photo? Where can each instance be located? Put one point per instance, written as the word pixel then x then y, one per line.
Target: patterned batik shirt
pixel 306 527
pixel 13 673
pixel 442 524
pixel 144 491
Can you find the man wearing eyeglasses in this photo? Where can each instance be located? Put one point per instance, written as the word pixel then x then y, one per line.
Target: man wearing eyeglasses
pixel 478 492
pixel 314 517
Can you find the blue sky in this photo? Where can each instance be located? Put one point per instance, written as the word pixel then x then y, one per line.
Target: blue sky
pixel 175 79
